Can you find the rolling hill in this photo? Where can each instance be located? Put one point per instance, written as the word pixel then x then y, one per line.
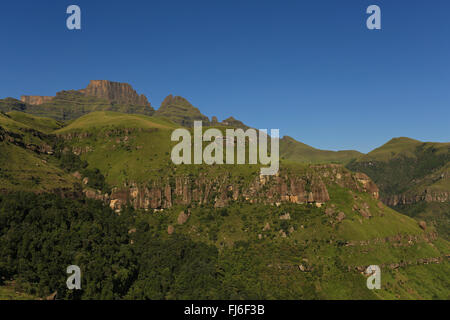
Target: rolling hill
pixel 413 177
pixel 295 151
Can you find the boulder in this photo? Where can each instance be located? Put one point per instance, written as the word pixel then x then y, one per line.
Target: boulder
pixel 340 216
pixel 182 218
pixel 423 225
pixel 286 216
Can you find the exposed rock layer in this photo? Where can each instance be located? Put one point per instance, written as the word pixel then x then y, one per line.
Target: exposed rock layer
pixel 35 100
pixel 183 190
pixel 115 92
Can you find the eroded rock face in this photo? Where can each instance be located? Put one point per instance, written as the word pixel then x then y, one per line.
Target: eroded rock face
pixel 20 141
pixel 220 191
pixel 35 100
pixel 96 194
pixel 367 184
pixel 115 92
pixel 427 195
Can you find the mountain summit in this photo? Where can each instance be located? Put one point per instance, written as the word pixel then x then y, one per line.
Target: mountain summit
pixel 115 92
pixel 99 95
pixel 181 111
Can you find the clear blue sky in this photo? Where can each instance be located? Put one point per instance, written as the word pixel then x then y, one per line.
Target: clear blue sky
pixel 310 68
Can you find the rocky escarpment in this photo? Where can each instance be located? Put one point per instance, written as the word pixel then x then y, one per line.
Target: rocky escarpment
pixel 20 141
pixel 35 100
pixel 429 193
pixel 310 187
pixel 115 92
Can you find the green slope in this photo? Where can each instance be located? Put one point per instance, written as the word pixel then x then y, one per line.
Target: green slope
pixel 318 252
pixel 26 161
pixel 398 164
pixel 102 119
pixel 317 237
pixel 412 177
pixel 23 170
pixel 293 150
pixel 10 104
pixel 45 125
pixel 180 111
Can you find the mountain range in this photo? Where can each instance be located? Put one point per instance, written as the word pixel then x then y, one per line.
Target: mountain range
pixel 307 233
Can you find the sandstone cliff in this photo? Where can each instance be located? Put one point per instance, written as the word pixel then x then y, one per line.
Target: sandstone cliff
pixel 431 188
pixel 310 187
pixel 35 100
pixel 115 92
pixel 428 195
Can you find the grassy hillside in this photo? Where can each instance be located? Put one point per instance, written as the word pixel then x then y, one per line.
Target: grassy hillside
pixel 397 165
pixel 241 250
pixel 133 148
pixel 11 104
pixel 180 111
pixel 26 161
pixel 45 125
pixel 10 292
pixel 412 176
pixel 111 119
pixel 21 170
pixel 331 246
pixel 295 151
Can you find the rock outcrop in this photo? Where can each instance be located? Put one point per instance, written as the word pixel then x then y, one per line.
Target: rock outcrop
pixel 20 140
pixel 35 100
pixel 183 217
pixel 115 92
pixel 220 191
pixel 428 195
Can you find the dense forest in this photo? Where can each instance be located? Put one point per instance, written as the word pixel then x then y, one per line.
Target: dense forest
pixel 40 235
